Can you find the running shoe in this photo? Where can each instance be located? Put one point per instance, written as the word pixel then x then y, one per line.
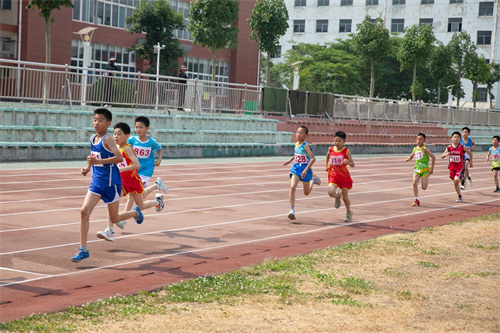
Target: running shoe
pixel 80 255
pixel 107 234
pixel 497 190
pixel 348 216
pixel 159 202
pixel 316 180
pixel 291 214
pixel 460 199
pixel 121 224
pixel 470 181
pixel 462 187
pixel 140 217
pixel 161 185
pixel 337 202
pixel 416 203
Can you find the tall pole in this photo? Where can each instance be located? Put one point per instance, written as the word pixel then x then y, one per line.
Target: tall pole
pixel 158 48
pixel 86 64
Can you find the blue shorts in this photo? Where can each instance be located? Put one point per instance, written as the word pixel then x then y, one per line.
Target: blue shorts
pixel 297 170
pixel 108 194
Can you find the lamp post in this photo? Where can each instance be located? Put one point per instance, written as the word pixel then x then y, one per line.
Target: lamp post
pixel 296 77
pixel 86 36
pixel 158 48
pixel 450 89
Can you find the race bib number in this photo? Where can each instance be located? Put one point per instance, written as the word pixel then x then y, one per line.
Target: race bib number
pixel 455 159
pixel 122 164
pixel 496 156
pixel 142 152
pixel 419 155
pixel 337 160
pixel 97 155
pixel 300 158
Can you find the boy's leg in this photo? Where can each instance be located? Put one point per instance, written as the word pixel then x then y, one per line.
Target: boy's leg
pixel 308 187
pixel 495 178
pixel 115 216
pixel 425 182
pixel 89 203
pixel 345 197
pixel 416 179
pixel 333 191
pixel 456 182
pixel 148 190
pixel 294 181
pixel 139 201
pixel 130 203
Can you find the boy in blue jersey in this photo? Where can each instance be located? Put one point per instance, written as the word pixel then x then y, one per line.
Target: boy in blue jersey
pixel 106 183
pixel 145 147
pixel 467 142
pixel 494 153
pixel 301 169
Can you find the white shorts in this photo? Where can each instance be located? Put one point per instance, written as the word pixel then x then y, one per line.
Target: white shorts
pixel 145 180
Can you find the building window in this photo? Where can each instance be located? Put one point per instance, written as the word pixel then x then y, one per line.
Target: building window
pixel 299 25
pixel 397 25
pixel 483 38
pixel 427 2
pixel 104 12
pixel 399 2
pixel 482 94
pixel 456 1
pixel 372 2
pixel 300 3
pixel 454 24
pixel 426 21
pixel 486 8
pixel 321 25
pixel 202 69
pixel 278 52
pixel 323 3
pixel 346 2
pixel 6 4
pixel 345 25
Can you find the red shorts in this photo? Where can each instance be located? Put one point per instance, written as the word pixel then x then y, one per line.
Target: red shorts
pixel 341 182
pixel 456 173
pixel 132 185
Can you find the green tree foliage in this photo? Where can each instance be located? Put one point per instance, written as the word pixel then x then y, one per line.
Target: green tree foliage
pixel 477 71
pixel 493 77
pixel 158 20
pixel 414 49
pixel 268 22
pixel 372 42
pixel 439 65
pixel 46 11
pixel 212 24
pixel 461 48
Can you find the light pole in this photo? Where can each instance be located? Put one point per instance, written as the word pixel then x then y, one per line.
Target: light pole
pixel 86 36
pixel 158 48
pixel 450 89
pixel 296 77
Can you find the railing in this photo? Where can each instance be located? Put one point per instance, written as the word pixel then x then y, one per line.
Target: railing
pixel 48 83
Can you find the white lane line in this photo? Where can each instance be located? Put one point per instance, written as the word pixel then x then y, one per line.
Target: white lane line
pixel 250 241
pixel 24 272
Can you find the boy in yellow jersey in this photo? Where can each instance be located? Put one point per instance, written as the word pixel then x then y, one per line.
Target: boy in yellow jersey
pixel 421 170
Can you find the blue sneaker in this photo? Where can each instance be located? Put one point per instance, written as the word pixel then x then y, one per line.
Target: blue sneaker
pixel 80 255
pixel 140 217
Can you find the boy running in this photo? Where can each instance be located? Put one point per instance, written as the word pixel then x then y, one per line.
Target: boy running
pixel 339 179
pixel 421 170
pixel 467 142
pixel 301 168
pixel 131 182
pixel 106 183
pixel 456 153
pixel 494 152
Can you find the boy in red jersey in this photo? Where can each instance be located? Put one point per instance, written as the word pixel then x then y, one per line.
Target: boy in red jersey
pixel 337 160
pixel 456 152
pixel 131 181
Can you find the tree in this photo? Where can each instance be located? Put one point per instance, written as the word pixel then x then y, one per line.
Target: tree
pixel 439 65
pixel 268 22
pixel 493 77
pixel 212 24
pixel 158 20
pixel 372 42
pixel 477 71
pixel 461 47
pixel 414 50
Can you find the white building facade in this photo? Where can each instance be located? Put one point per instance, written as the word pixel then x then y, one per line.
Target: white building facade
pixel 324 21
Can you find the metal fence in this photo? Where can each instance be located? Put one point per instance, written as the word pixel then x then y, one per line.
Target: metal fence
pixel 64 84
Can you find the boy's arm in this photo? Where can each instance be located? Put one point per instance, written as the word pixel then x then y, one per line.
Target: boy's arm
pixel 313 159
pixel 327 162
pixel 488 156
pixel 433 159
pixel 446 153
pixel 160 155
pixel 411 156
pixel 288 162
pixel 472 145
pixel 133 157
pixel 349 161
pixel 85 170
pixel 467 150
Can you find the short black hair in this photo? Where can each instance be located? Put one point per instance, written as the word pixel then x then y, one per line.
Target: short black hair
pixel 340 134
pixel 456 132
pixel 466 128
pixel 496 137
pixel 105 112
pixel 305 129
pixel 422 135
pixel 124 127
pixel 142 119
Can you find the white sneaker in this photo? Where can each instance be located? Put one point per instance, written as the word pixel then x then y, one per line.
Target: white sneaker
pixel 159 202
pixel 107 234
pixel 291 214
pixel 460 199
pixel 121 224
pixel 337 203
pixel 348 216
pixel 470 182
pixel 316 180
pixel 161 185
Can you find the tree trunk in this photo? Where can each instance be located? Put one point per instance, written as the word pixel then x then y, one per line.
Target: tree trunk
pixel 491 100
pixel 439 92
pixel 267 71
pixel 372 80
pixel 414 82
pixel 474 94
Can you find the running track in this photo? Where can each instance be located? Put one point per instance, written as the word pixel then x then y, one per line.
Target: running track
pixel 220 215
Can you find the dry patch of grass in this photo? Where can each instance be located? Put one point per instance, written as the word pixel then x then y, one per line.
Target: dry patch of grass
pixel 434 280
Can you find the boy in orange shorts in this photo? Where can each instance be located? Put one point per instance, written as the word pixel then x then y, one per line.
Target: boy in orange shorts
pixel 339 179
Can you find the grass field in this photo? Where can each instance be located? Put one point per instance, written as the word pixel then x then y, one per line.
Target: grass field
pixel 434 280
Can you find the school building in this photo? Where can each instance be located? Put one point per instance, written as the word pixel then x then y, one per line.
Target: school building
pixel 22 37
